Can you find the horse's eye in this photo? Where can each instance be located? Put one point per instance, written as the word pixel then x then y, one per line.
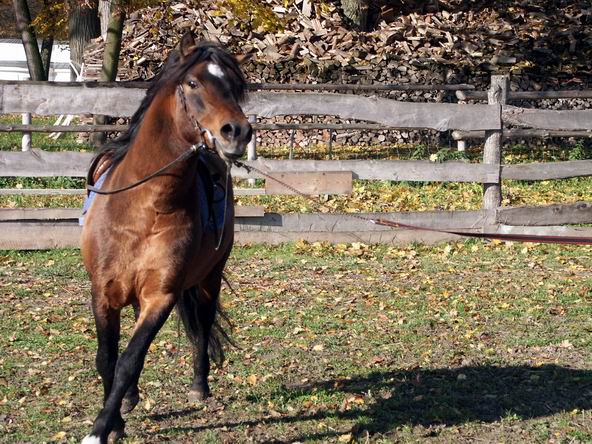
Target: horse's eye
pixel 192 84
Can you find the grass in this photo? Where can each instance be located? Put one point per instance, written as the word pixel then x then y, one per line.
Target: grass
pixel 12 141
pixel 380 196
pixel 454 343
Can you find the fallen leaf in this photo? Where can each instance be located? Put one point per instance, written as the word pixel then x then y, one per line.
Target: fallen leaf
pixel 252 379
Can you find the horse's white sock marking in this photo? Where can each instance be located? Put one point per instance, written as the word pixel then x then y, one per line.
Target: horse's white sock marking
pixel 91 439
pixel 215 70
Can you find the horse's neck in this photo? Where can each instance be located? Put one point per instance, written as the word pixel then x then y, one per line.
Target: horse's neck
pixel 157 142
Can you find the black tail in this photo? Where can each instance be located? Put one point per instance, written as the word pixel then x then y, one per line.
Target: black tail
pixel 196 309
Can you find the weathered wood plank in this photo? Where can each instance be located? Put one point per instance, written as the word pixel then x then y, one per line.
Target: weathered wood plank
pixel 249 211
pixel 396 170
pixel 248 191
pixel 492 149
pixel 38 163
pixel 546 231
pixel 47 99
pixel 570 120
pixel 58 214
pixel 393 237
pixel 437 116
pixel 294 221
pixel 548 170
pixel 521 134
pixel 43 235
pixel 286 126
pixel 578 213
pixel 81 192
pixel 326 182
pixel 72 214
pixel 529 95
pixel 265 86
pixel 39 236
pixel 274 222
pixel 62 128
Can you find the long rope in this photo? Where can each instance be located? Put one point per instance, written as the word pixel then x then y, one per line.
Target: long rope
pixel 565 240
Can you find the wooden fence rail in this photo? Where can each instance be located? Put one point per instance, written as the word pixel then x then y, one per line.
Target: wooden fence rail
pixel 37 163
pixel 42 230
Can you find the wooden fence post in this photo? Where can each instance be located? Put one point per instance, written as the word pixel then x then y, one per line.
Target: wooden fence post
pixel 292 135
pixel 492 151
pixel 252 146
pixel 26 140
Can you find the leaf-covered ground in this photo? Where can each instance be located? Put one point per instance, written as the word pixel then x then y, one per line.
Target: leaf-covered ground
pixel 462 342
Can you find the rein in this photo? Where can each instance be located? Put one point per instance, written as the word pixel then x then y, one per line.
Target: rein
pixel 565 240
pixel 183 156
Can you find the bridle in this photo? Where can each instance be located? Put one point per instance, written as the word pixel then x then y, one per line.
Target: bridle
pixel 201 146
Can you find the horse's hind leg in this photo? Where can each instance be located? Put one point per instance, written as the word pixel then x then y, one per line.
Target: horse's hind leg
pixel 197 309
pixel 198 314
pixel 155 310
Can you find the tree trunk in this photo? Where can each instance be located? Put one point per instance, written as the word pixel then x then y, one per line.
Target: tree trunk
pixel 113 43
pixel 357 12
pixel 105 16
pixel 83 26
pixel 23 25
pixel 46 48
pixel 110 59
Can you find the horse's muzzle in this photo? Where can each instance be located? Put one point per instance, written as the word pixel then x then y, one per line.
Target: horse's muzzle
pixel 234 137
pixel 232 151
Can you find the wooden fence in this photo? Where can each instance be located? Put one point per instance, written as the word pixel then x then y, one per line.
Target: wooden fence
pixel 47 228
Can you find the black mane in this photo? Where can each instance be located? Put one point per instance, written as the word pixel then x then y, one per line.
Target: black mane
pixel 173 72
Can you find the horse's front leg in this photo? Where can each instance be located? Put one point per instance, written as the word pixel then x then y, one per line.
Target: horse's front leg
pixel 132 396
pixel 155 311
pixel 107 322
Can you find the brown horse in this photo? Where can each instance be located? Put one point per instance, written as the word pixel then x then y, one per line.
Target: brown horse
pixel 160 244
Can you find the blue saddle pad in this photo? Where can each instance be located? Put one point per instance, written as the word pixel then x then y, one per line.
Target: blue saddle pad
pixel 210 195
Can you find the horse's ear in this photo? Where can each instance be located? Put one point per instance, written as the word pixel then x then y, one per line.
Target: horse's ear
pixel 187 44
pixel 243 58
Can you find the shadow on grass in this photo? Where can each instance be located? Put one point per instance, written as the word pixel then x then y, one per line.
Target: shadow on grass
pixel 440 397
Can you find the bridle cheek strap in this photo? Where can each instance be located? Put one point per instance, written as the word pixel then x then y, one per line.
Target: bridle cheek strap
pixel 206 137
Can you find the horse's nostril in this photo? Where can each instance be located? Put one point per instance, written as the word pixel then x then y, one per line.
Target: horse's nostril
pixel 227 131
pixel 249 133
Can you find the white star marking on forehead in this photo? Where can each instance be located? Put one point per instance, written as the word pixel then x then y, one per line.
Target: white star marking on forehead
pixel 215 70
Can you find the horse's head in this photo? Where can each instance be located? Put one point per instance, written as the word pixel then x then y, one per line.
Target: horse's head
pixel 210 88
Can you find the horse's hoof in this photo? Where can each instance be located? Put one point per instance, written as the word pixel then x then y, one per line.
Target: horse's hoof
pixel 129 403
pixel 197 395
pixel 115 436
